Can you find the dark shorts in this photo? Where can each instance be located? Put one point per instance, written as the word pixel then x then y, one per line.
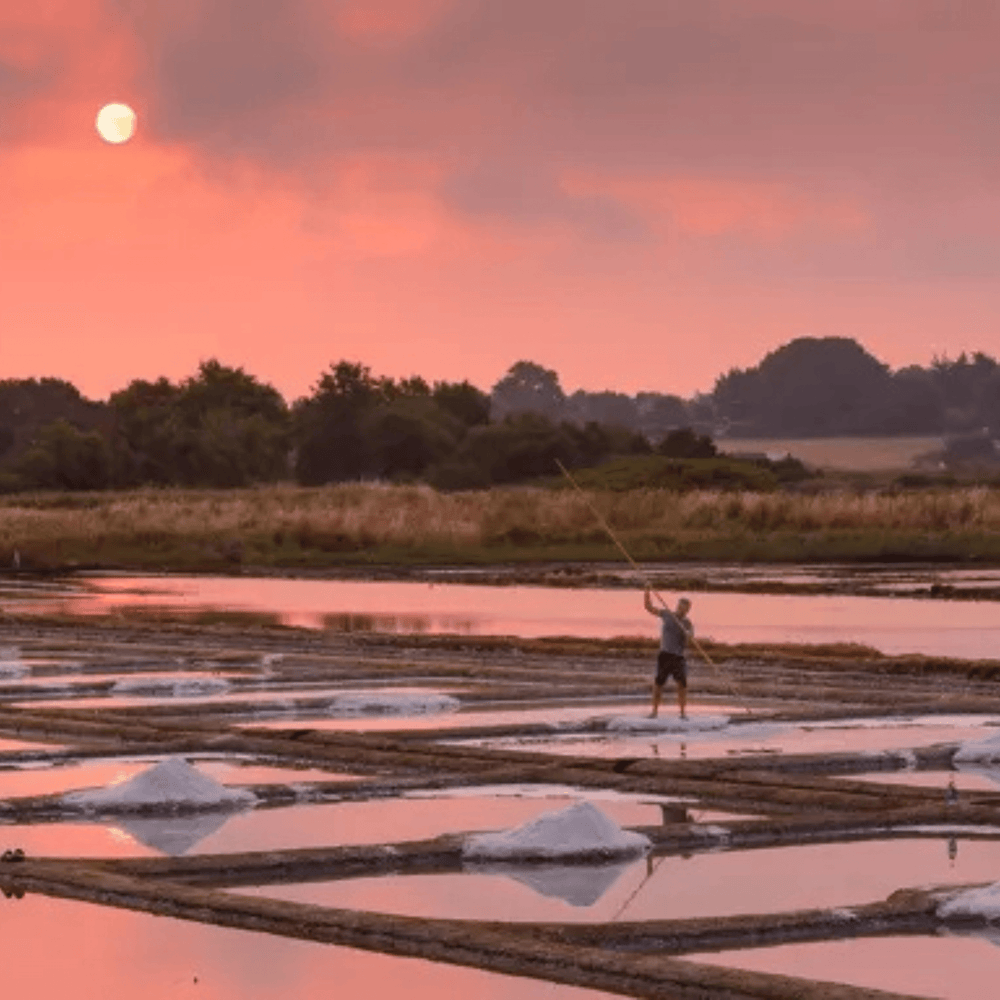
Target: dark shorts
pixel 671 665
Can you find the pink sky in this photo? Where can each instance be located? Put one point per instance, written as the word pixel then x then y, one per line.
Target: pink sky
pixel 640 194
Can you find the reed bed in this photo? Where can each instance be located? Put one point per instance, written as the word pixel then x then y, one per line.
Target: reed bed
pixel 293 526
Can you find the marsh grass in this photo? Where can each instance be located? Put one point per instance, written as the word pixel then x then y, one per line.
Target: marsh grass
pixel 285 526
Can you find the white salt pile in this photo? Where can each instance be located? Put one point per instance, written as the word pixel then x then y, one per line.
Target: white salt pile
pixel 391 703
pixel 984 750
pixel 11 664
pixel 666 723
pixel 182 687
pixel 170 786
pixel 982 902
pixel 580 831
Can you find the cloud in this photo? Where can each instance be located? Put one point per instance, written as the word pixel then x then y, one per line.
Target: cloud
pixel 846 93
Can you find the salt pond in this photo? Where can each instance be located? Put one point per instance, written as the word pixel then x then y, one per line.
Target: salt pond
pixel 968 629
pixel 116 953
pixel 319 825
pixel 875 736
pixel 711 884
pixel 947 967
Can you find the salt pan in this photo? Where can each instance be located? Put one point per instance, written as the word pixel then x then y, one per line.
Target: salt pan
pixel 986 750
pixel 172 785
pixel 180 688
pixel 983 902
pixel 578 885
pixel 580 831
pixel 391 703
pixel 11 664
pixel 666 723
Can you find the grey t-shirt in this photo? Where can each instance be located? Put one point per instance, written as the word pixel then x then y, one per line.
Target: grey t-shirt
pixel 675 632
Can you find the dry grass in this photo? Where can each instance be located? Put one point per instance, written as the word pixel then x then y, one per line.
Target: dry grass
pixel 289 526
pixel 847 454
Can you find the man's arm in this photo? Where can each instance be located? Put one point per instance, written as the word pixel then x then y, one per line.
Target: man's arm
pixel 648 601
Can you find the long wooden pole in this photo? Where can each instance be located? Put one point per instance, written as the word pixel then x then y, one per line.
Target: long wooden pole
pixel 607 527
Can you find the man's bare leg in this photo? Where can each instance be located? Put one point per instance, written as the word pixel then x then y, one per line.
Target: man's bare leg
pixel 682 698
pixel 657 696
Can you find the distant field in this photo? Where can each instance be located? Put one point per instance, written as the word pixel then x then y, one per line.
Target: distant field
pixel 371 523
pixel 853 454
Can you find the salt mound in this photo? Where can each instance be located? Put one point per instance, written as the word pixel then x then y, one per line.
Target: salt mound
pixel 391 703
pixel 11 664
pixel 580 831
pixel 185 687
pixel 982 902
pixel 171 785
pixel 984 750
pixel 666 723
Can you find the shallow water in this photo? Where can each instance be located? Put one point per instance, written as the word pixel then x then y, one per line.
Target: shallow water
pixel 41 779
pixel 843 736
pixel 770 880
pixel 962 780
pixel 949 967
pixel 968 629
pixel 305 825
pixel 554 715
pixel 116 953
pixel 387 700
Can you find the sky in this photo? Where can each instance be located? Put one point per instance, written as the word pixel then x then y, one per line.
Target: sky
pixel 639 194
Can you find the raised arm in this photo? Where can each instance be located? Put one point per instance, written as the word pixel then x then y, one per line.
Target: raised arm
pixel 648 602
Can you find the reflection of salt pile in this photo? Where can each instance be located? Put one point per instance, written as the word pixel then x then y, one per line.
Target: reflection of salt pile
pixel 391 703
pixel 11 664
pixel 173 785
pixel 580 831
pixel 184 687
pixel 983 902
pixel 984 751
pixel 666 723
pixel 578 885
pixel 174 835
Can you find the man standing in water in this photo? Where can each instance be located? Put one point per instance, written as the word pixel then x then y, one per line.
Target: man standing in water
pixel 670 662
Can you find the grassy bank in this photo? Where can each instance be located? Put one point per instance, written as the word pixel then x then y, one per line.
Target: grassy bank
pixel 295 527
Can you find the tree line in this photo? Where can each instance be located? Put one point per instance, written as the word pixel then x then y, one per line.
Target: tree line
pixel 810 387
pixel 222 427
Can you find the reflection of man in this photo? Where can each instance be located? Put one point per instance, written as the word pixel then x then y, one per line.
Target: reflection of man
pixel 675 629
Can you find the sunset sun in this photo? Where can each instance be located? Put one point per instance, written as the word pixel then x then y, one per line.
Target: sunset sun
pixel 116 123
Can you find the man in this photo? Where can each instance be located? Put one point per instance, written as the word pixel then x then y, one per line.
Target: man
pixel 676 627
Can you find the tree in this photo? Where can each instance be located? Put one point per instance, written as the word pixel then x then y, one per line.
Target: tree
pixel 28 405
pixel 65 458
pixel 220 427
pixel 528 388
pixel 613 408
pixel 329 424
pixel 685 443
pixel 405 436
pixel 463 401
pixel 659 413
pixel 809 387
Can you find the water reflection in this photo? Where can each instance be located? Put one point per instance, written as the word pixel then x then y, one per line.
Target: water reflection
pixel 106 952
pixel 174 835
pixel 709 884
pixel 577 885
pixel 968 629
pixel 948 967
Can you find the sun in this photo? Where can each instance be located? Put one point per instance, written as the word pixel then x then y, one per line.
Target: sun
pixel 116 123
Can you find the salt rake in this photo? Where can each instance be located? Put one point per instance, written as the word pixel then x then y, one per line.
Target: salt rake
pixel 642 576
